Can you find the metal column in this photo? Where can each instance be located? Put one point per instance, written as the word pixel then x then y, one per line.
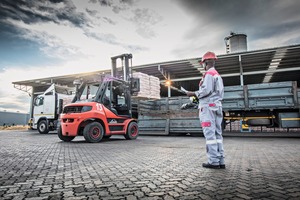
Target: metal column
pixel 169 86
pixel 241 71
pixel 32 102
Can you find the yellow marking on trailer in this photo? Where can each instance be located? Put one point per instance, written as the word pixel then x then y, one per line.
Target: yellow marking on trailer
pixel 287 119
pixel 246 118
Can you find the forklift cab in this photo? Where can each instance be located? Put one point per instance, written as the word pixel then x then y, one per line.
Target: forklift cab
pixel 116 97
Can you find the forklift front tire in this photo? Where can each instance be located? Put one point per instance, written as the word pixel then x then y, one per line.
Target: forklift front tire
pixel 93 132
pixel 132 131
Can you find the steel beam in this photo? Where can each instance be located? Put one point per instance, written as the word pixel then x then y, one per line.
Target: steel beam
pixel 238 74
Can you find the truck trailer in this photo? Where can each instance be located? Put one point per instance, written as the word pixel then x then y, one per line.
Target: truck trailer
pixel 267 104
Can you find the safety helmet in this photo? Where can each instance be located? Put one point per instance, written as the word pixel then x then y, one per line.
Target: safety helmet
pixel 208 55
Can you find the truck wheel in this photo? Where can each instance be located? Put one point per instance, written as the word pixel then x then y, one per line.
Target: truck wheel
pixel 93 132
pixel 43 127
pixel 132 131
pixel 64 138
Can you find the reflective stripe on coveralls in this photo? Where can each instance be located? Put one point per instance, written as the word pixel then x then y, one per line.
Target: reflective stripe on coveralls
pixel 210 94
pixel 213 141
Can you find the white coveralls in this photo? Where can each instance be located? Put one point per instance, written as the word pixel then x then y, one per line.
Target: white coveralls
pixel 210 94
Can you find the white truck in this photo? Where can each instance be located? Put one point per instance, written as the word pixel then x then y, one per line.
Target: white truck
pixel 48 106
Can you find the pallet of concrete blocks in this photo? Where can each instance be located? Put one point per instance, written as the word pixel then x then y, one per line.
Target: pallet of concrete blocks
pixel 149 86
pixel 154 87
pixel 144 85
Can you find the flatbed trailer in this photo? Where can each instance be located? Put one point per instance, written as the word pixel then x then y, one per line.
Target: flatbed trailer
pixel 269 104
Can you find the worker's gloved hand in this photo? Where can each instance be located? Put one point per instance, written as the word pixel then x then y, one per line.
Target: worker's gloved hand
pixel 189 106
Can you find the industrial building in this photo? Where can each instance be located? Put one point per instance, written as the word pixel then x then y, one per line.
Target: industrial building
pixel 248 67
pixel 13 118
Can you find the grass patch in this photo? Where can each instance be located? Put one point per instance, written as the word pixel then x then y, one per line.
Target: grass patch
pixel 17 127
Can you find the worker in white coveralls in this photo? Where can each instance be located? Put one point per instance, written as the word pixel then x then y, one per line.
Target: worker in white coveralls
pixel 210 95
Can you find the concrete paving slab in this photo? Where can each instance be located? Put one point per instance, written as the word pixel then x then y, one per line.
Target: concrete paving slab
pixel 35 166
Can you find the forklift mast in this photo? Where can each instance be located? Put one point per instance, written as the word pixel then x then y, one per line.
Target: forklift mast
pixel 125 58
pixel 125 67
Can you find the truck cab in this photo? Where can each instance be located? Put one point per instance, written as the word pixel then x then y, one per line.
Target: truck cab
pixel 48 106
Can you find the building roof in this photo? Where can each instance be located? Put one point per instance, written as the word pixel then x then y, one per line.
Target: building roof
pixel 258 66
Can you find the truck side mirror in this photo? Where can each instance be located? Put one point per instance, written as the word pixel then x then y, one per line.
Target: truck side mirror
pixel 60 106
pixel 35 101
pixel 134 85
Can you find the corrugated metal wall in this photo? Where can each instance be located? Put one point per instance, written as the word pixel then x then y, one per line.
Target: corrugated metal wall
pixel 12 118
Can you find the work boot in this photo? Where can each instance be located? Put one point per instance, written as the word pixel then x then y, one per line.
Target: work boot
pixel 222 166
pixel 207 165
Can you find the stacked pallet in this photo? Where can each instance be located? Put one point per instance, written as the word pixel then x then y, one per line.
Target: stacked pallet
pixel 144 84
pixel 154 87
pixel 149 86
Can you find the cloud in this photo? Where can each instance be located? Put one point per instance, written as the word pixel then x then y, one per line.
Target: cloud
pixel 50 44
pixel 11 99
pixel 214 20
pixel 144 19
pixel 16 105
pixel 112 40
pixel 2 70
pixel 31 12
pixel 30 21
pixel 242 15
pixel 18 46
pixel 19 102
pixel 107 38
pixel 116 5
pixel 42 22
pixel 110 21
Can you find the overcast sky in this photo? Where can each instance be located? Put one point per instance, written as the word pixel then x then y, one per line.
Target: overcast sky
pixel 57 37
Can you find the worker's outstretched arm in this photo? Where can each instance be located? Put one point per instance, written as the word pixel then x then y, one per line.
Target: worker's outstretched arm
pixel 206 88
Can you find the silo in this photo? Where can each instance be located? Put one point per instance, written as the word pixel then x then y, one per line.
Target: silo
pixel 236 42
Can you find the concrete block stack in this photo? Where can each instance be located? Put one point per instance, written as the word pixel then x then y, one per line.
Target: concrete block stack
pixel 149 86
pixel 154 87
pixel 144 84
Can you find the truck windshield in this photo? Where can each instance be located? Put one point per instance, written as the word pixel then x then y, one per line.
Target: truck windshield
pixel 38 101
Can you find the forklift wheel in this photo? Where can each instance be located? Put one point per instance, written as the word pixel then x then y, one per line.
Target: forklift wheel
pixel 64 138
pixel 93 132
pixel 132 131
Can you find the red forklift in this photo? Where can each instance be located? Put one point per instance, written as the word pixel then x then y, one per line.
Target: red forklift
pixel 107 113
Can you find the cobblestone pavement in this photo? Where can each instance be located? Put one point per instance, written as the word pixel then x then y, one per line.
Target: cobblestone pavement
pixel 34 166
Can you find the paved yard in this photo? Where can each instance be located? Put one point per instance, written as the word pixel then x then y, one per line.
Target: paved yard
pixel 34 166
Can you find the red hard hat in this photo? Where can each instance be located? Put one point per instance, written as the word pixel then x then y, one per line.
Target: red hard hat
pixel 208 55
